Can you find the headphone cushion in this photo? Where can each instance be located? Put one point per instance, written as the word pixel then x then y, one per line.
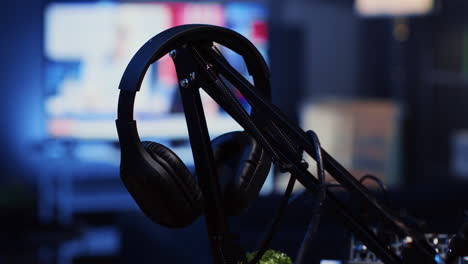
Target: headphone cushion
pixel 242 166
pixel 183 195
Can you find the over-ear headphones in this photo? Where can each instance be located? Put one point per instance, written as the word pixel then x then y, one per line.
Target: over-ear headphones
pixel 158 180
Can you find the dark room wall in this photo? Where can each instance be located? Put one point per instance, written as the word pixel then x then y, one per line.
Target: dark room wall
pixel 331 46
pixel 20 74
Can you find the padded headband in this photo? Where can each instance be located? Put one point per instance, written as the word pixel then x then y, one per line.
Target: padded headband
pixel 172 38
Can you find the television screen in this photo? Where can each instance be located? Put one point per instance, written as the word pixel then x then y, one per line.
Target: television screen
pixel 88 45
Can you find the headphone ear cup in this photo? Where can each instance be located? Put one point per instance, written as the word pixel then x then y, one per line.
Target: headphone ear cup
pixel 180 198
pixel 242 166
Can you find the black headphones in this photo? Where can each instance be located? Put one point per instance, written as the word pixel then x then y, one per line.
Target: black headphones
pixel 157 179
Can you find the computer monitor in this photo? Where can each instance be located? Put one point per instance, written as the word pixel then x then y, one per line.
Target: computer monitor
pixel 88 45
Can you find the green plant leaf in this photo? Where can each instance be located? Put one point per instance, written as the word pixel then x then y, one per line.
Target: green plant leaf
pixel 271 257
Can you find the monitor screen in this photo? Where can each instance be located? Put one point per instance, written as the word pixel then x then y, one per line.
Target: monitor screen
pixel 88 45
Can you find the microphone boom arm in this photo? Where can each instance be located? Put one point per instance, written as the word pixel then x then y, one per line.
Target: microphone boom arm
pixel 285 142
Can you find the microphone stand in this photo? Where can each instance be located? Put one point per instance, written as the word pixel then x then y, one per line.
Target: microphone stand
pixel 201 65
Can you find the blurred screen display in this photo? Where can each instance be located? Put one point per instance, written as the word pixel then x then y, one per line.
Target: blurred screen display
pixel 88 45
pixel 393 7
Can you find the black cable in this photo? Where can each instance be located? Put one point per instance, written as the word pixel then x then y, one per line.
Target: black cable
pixel 318 153
pixel 322 191
pixel 274 224
pixel 379 182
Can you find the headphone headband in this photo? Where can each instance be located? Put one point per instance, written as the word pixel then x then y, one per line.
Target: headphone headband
pixel 172 38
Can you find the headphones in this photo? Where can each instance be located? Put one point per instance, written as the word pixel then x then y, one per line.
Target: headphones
pixel 157 179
